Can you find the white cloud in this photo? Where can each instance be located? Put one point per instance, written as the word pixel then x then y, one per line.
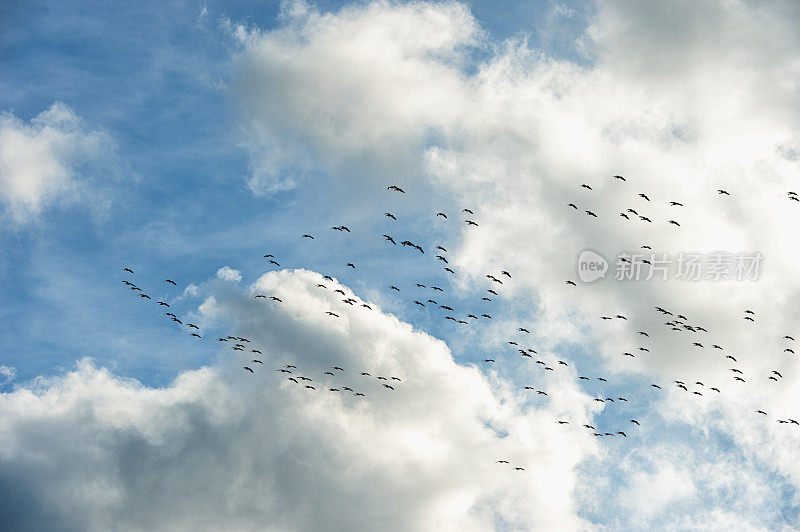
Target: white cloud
pixel 221 448
pixel 45 161
pixel 7 374
pixel 226 273
pixel 679 98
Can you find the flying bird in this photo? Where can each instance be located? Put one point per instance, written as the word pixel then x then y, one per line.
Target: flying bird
pixel 395 188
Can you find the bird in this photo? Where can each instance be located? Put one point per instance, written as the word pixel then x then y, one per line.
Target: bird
pixel 488 360
pixel 675 204
pixel 127 270
pixel 572 205
pixel 443 215
pixel 389 215
pixel 144 296
pixel 644 196
pixel 590 213
pixel 467 210
pixel 470 222
pixel 197 335
pixel 635 422
pixel 388 386
pixel 620 178
pixel 622 433
pixel 396 188
pixel 170 281
pixel 350 264
pixel 673 222
pixel 724 192
pixel 586 186
pixel 570 283
pixel 394 288
pixel 163 304
pixel 332 314
pixel 522 329
pixel 249 369
pixel 308 236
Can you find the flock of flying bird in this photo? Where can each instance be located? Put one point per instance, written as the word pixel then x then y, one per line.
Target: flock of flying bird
pixel 677 323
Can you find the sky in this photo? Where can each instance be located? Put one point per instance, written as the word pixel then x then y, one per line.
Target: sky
pixel 195 141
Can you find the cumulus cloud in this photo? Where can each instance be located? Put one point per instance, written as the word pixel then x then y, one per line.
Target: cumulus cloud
pixel 678 98
pixel 681 99
pixel 46 160
pixel 226 273
pixel 221 448
pixel 324 82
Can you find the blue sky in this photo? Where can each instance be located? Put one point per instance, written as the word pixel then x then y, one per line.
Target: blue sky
pixel 178 206
pixel 172 121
